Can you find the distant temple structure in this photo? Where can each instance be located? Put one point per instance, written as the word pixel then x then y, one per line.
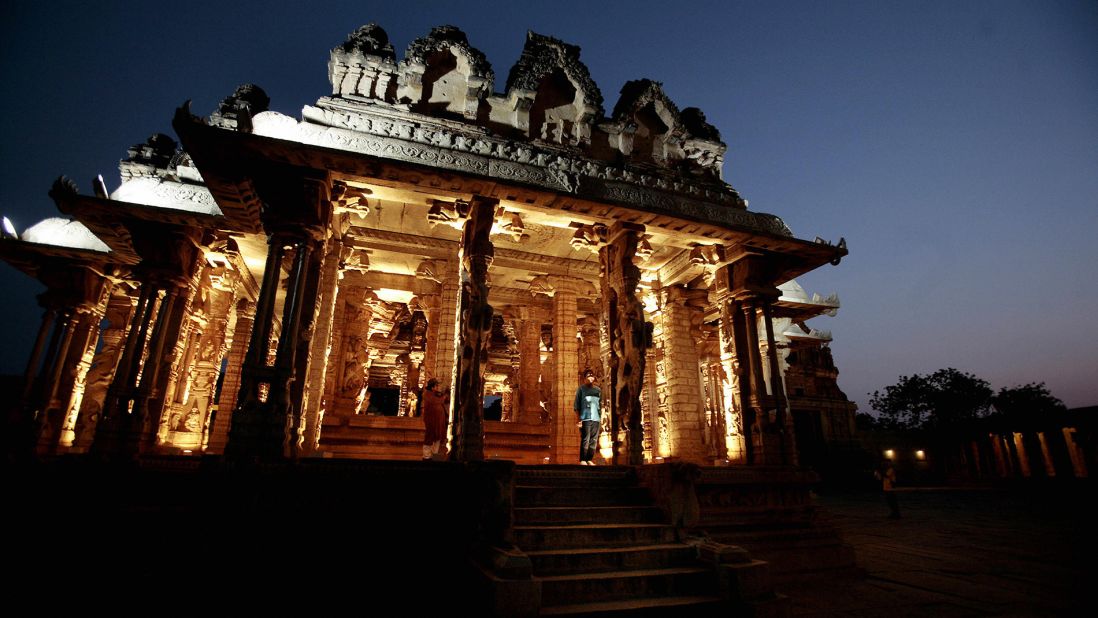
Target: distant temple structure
pixel 273 287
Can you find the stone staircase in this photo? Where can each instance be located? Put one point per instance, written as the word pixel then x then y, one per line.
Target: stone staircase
pixel 400 438
pixel 599 547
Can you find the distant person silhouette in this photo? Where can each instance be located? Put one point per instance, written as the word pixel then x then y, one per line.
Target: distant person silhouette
pixel 887 476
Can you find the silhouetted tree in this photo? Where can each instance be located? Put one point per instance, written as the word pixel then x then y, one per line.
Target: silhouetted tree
pixel 945 399
pixel 1027 406
pixel 865 422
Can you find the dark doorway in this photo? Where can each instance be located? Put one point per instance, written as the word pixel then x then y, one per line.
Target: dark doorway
pixel 384 401
pixel 810 442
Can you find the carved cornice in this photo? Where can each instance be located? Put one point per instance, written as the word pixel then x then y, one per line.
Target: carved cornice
pixel 550 285
pixel 405 136
pixel 442 248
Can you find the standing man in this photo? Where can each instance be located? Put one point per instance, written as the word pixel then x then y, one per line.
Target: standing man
pixel 588 397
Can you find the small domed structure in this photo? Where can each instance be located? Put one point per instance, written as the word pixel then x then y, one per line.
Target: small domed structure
pixel 63 232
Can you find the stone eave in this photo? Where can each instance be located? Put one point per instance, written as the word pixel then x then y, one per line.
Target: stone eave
pixel 800 310
pixel 815 335
pixel 87 208
pixel 31 257
pixel 114 221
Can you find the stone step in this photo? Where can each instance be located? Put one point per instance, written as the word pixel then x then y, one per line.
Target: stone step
pixel 412 452
pixel 562 515
pixel 686 606
pixel 534 538
pixel 389 437
pixel 621 585
pixel 581 476
pixel 580 495
pixel 604 559
pixel 551 474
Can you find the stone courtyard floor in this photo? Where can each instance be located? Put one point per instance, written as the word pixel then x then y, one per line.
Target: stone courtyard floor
pixel 962 552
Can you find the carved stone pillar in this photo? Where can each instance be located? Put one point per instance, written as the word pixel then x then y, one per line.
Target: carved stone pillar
pixel 507 405
pixel 120 427
pixel 31 374
pixel 230 383
pixel 744 288
pixel 314 404
pixel 548 379
pixel 681 316
pixel 351 361
pixel 80 363
pixel 629 337
pixel 528 406
pixel 188 423
pixel 430 304
pixel 474 327
pixel 187 336
pixel 252 428
pixel 160 364
pixel 650 403
pixel 125 377
pixel 563 432
pixel 118 314
pixel 217 342
pixel 312 255
pixel 263 421
pixel 784 420
pixel 46 407
pixel 446 342
pixel 765 440
pixel 414 384
pixel 735 444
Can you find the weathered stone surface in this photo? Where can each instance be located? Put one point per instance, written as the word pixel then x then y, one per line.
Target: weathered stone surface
pixel 629 336
pixel 475 324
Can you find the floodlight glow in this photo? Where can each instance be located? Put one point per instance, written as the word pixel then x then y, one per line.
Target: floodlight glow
pixel 9 228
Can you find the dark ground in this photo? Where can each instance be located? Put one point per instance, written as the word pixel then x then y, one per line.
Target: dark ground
pixel 992 551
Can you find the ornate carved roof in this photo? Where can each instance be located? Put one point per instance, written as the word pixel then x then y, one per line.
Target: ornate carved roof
pixel 247 97
pixel 637 93
pixel 541 55
pixel 697 126
pixel 370 40
pixel 453 39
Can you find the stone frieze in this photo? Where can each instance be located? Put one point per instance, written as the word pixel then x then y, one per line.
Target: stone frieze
pixel 444 146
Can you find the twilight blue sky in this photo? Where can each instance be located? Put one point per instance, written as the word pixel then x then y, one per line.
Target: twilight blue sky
pixel 953 144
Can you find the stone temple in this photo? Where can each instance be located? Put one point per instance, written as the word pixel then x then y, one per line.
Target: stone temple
pixel 269 288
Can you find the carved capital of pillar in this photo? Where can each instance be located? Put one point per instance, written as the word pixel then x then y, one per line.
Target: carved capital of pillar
pixel 589 237
pixel 438 271
pixel 709 259
pixel 348 198
pixel 550 285
pixel 448 213
pixel 353 259
pixel 683 296
pixel 510 223
pixel 746 278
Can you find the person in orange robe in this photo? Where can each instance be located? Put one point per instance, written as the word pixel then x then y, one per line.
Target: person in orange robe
pixel 434 418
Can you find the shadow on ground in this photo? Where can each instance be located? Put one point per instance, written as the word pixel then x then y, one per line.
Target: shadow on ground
pixel 961 552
